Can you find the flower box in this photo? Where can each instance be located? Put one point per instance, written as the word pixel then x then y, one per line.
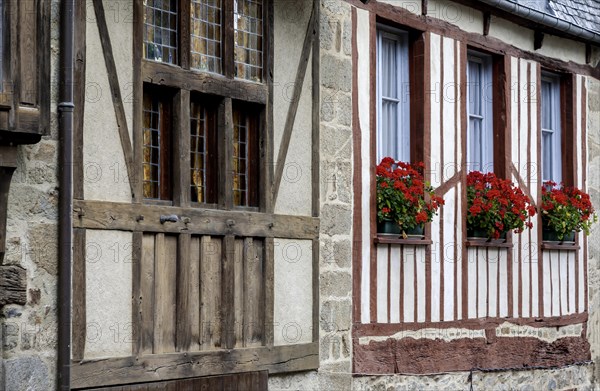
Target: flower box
pixel 403 197
pixel 495 206
pixel 565 211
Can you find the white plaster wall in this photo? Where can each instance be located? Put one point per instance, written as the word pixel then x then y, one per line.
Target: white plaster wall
pixel 295 193
pixel 293 292
pixel 466 18
pixel 105 173
pixel 562 48
pixel 108 294
pixel 511 33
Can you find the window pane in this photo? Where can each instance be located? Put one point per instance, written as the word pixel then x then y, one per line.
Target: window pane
pixel 151 147
pixel 480 153
pixel 393 96
pixel 389 119
pixel 203 153
pixel 476 145
pixel 245 157
pixel 206 35
pixel 160 30
pixel 389 68
pixel 546 105
pixel 248 37
pixel 157 145
pixel 547 157
pixel 475 87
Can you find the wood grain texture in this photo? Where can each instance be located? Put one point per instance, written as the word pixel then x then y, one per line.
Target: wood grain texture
pixel 146 326
pixel 210 293
pixel 78 316
pixel 253 254
pixel 425 356
pixel 165 272
pixel 146 218
pixel 228 291
pixel 114 371
pixel 186 279
pixel 203 82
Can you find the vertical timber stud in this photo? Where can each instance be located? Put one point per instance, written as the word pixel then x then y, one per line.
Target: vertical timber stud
pixel 136 292
pixel 138 93
pixel 357 180
pixel 315 166
pixel 269 205
pixel 225 150
pixel 79 296
pixel 269 289
pixel 228 288
pixel 181 143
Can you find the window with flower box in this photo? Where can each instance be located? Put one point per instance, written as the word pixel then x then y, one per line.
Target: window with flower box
pixel 400 87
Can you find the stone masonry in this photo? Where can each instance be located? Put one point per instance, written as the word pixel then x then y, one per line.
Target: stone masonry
pixel 28 333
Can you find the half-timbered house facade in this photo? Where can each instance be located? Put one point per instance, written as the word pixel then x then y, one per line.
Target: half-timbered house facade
pixel 187 194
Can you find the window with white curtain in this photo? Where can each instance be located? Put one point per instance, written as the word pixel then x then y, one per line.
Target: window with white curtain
pixel 480 152
pixel 393 95
pixel 551 128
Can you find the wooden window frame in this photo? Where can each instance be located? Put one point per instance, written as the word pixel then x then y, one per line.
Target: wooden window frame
pixel 554 106
pixel 223 90
pixel 418 79
pixel 487 108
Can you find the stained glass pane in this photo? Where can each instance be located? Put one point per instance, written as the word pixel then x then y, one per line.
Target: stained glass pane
pixel 206 35
pixel 248 37
pixel 160 30
pixel 198 153
pixel 151 152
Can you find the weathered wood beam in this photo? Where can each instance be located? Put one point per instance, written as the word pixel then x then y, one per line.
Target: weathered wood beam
pixel 487 19
pixel 8 164
pixel 146 218
pixel 295 101
pixel 538 40
pixel 176 77
pixel 127 370
pixel 115 90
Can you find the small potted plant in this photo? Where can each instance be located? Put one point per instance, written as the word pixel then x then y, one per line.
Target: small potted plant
pixel 565 210
pixel 405 202
pixel 495 207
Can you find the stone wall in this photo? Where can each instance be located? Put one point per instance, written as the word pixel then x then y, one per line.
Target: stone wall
pixel 29 332
pixel 593 142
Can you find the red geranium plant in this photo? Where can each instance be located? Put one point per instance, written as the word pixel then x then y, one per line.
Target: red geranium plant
pixel 566 209
pixel 495 206
pixel 403 196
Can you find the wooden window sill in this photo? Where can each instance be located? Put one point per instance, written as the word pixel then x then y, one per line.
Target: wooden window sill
pixel 479 242
pixel 393 239
pixel 569 246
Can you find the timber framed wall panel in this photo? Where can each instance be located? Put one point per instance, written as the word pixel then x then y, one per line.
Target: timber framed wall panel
pixel 203 287
pixel 459 282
